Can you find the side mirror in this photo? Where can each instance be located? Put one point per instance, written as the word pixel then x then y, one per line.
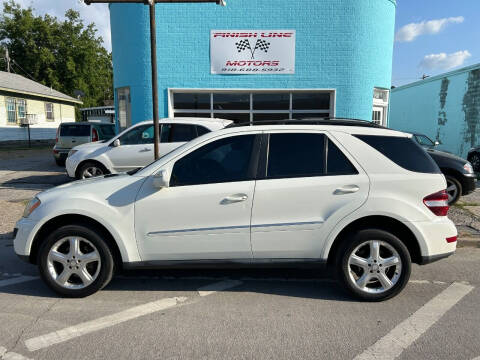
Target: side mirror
pixel 161 179
pixel 437 143
pixel 116 143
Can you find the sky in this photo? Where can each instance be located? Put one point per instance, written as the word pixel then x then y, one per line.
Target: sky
pixel 431 36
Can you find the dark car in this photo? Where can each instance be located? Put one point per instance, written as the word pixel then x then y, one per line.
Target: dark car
pixel 474 158
pixel 461 179
pixel 71 134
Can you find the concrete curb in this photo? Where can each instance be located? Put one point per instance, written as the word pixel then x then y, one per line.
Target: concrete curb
pixel 468 242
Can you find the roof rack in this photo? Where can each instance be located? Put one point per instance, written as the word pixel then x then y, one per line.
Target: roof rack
pixel 311 121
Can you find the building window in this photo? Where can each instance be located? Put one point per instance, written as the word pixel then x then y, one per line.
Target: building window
pixel 49 112
pixel 16 110
pixel 124 108
pixel 21 109
pixel 380 106
pixel 251 106
pixel 11 111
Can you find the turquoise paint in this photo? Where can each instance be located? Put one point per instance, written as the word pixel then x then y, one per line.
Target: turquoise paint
pixel 450 114
pixel 345 45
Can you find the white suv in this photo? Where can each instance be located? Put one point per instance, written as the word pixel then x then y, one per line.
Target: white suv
pixel 133 148
pixel 363 200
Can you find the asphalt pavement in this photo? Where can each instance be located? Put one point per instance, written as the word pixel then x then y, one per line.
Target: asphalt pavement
pixel 226 314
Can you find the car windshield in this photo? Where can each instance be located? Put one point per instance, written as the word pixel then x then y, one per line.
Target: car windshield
pixel 424 140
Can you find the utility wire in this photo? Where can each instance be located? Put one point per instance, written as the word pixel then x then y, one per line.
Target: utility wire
pixel 30 76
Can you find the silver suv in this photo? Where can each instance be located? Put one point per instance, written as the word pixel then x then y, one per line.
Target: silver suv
pixel 76 133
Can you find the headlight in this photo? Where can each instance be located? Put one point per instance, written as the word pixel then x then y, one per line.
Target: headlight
pixel 31 206
pixel 468 168
pixel 71 152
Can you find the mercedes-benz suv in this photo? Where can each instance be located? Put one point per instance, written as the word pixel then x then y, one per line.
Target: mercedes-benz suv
pixel 325 193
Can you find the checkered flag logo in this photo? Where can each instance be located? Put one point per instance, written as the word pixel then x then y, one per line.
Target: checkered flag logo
pixel 243 45
pixel 262 45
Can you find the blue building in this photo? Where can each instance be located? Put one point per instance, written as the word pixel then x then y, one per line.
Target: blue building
pixel 444 107
pixel 255 60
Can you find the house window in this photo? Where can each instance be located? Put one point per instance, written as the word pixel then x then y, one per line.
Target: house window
pixel 21 109
pixel 250 106
pixel 11 111
pixel 49 112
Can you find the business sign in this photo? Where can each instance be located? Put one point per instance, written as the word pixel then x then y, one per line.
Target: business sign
pixel 252 52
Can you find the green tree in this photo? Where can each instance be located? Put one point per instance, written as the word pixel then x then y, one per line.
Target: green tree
pixel 66 55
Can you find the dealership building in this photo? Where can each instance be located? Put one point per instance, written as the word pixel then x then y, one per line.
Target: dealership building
pixel 255 60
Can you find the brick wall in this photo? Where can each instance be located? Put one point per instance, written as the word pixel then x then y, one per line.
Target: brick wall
pixel 341 44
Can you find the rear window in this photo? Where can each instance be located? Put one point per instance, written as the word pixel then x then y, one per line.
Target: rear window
pixel 402 151
pixel 106 132
pixel 74 130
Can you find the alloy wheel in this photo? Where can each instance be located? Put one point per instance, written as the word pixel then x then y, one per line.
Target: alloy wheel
pixel 73 262
pixel 452 190
pixel 374 266
pixel 91 171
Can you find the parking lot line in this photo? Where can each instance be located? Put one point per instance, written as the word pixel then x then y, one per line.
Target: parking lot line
pixel 405 333
pixel 71 332
pixel 17 280
pixel 4 355
pixel 218 286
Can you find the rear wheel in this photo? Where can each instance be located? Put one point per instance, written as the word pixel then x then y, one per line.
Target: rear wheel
pixel 373 265
pixel 75 261
pixel 454 189
pixel 90 169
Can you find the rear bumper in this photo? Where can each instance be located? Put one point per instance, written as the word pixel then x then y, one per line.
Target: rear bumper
pixel 432 238
pixel 429 259
pixel 60 154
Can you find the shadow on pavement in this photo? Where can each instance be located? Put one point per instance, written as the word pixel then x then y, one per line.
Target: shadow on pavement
pixel 23 182
pixel 281 282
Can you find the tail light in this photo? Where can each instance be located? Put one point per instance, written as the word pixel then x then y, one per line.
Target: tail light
pixel 58 133
pixel 437 203
pixel 94 135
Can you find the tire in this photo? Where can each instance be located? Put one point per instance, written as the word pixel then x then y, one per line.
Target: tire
pixel 55 255
pixel 91 167
pixel 454 189
pixel 475 161
pixel 361 244
pixel 60 162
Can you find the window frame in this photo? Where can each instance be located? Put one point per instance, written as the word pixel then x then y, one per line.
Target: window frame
pixel 253 164
pixel 52 111
pixel 264 154
pixel 8 102
pixel 251 112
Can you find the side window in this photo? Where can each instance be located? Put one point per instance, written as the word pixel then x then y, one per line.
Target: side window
pixel 403 151
pixel 337 162
pixel 202 130
pixel 296 155
pixel 137 136
pixel 178 133
pixel 224 160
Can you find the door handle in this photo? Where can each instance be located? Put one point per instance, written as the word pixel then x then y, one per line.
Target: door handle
pixel 347 189
pixel 234 198
pixel 146 150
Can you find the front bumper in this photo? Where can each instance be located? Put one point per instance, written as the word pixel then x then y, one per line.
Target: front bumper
pixel 24 232
pixel 71 166
pixel 469 183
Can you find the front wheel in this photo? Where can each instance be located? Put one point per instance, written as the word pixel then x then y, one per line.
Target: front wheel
pixel 373 265
pixel 90 169
pixel 75 261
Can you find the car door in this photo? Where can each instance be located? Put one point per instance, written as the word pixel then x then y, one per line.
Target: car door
pixel 135 150
pixel 205 212
pixel 307 185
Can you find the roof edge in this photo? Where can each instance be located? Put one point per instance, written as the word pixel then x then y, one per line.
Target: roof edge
pixel 71 100
pixel 437 77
